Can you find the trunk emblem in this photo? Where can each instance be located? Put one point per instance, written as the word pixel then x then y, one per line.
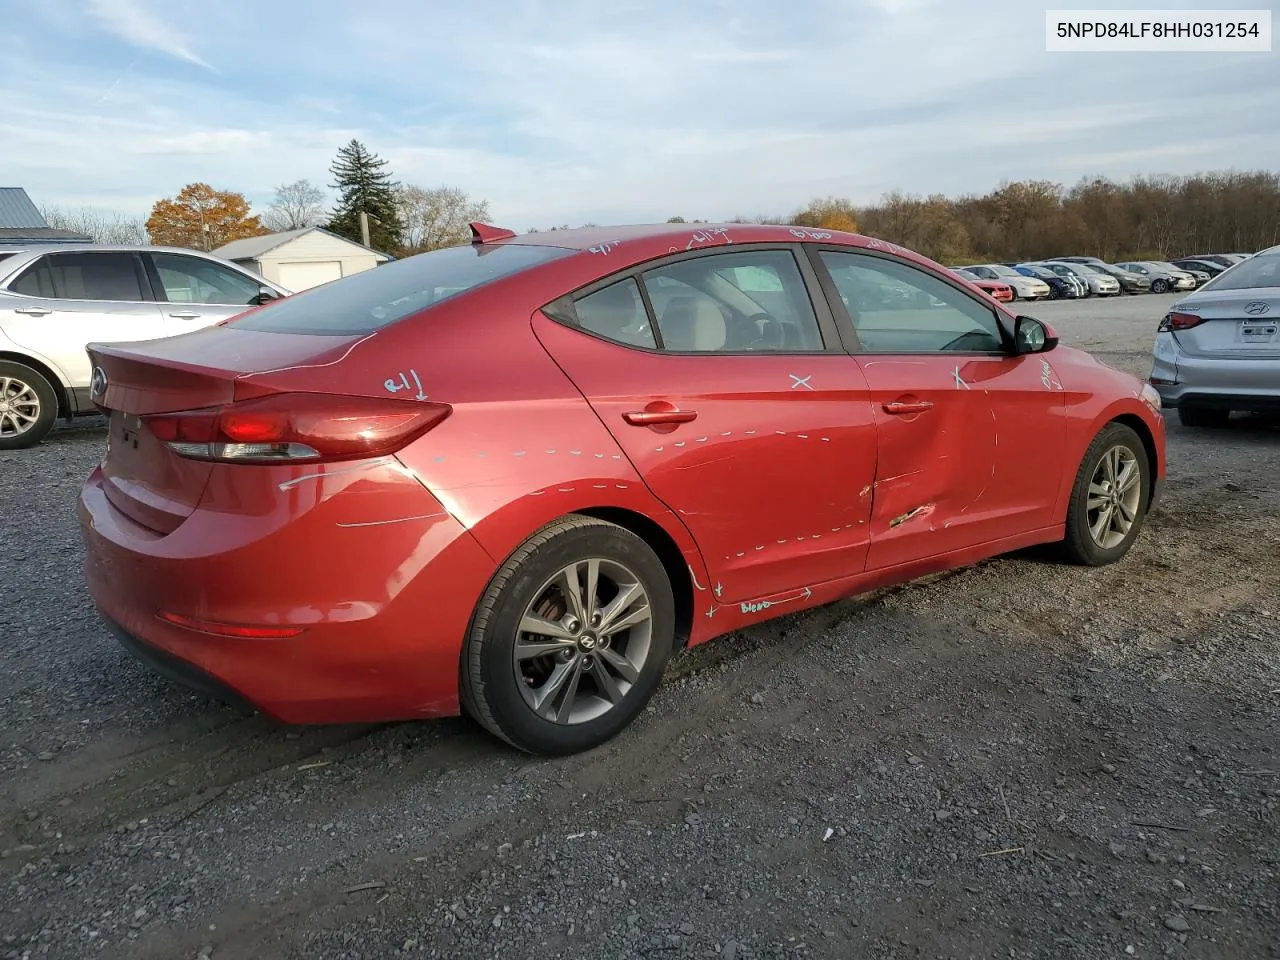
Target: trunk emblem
pixel 98 382
pixel 1256 308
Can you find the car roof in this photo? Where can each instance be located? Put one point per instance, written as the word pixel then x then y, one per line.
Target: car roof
pixel 100 248
pixel 584 238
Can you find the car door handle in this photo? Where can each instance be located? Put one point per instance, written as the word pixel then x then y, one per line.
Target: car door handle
pixel 34 311
pixel 900 407
pixel 650 418
pixel 185 316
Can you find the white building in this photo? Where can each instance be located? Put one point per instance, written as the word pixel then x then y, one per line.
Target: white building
pixel 298 259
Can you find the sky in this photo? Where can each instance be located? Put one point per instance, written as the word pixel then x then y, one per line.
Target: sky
pixel 608 111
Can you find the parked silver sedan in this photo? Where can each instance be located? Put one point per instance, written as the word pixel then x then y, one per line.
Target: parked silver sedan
pixel 1163 278
pixel 1218 349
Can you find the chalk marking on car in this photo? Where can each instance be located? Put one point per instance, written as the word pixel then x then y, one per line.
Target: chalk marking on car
pixel 694 577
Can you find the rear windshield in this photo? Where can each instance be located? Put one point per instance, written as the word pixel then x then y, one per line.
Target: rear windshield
pixel 1257 271
pixel 364 302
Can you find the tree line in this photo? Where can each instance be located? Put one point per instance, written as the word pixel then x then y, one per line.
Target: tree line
pixel 402 218
pixel 1145 218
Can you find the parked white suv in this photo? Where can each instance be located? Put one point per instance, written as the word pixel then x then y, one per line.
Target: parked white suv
pixel 56 300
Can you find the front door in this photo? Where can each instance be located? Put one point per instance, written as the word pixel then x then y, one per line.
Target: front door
pixel 196 292
pixel 970 436
pixel 713 373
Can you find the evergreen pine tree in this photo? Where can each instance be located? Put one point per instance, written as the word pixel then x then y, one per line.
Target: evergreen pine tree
pixel 364 183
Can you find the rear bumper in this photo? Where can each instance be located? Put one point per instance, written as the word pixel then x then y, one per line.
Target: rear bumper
pixel 1232 383
pixel 368 566
pixel 174 668
pixel 1252 403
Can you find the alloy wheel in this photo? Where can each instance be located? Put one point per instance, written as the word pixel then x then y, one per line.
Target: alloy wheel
pixel 583 641
pixel 19 407
pixel 1115 492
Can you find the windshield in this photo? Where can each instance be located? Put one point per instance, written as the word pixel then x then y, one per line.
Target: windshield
pixel 1000 270
pixel 1038 272
pixel 364 302
pixel 1257 271
pixel 1085 268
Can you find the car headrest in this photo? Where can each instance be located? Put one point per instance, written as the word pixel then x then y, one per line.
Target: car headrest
pixel 693 324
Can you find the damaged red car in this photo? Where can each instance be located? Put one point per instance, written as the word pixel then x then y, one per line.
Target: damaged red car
pixel 512 478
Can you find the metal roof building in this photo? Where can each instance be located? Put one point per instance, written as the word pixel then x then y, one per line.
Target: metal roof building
pixel 21 223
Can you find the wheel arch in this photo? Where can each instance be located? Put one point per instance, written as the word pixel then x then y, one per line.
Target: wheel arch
pixel 668 551
pixel 65 408
pixel 1139 426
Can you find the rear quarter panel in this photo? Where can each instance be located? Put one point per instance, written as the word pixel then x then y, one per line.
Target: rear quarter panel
pixel 521 447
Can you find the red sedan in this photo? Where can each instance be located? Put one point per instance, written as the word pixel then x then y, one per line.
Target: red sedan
pixel 511 478
pixel 998 291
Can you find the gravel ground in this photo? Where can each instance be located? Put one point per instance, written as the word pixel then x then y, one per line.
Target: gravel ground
pixel 1018 759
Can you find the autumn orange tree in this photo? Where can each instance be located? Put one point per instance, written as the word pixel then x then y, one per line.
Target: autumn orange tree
pixel 202 218
pixel 832 213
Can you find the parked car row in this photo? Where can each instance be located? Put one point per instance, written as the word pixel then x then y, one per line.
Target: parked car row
pixel 1071 277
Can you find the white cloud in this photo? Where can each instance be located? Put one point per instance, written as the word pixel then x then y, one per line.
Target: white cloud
pixel 574 111
pixel 128 20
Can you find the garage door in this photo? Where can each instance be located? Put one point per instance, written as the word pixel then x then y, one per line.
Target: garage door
pixel 300 276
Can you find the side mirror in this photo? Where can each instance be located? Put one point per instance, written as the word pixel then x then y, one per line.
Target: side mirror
pixel 265 295
pixel 1032 336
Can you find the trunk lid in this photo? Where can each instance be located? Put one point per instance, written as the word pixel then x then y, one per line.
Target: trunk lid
pixel 1236 324
pixel 142 477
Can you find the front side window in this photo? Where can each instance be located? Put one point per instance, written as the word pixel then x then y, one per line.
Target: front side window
pixel 898 308
pixel 195 280
pixel 82 276
pixel 755 301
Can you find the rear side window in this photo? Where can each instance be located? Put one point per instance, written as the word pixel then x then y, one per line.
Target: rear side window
pixel 82 276
pixel 617 313
pixel 376 298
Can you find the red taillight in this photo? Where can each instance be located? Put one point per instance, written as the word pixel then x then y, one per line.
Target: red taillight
pixel 1179 321
pixel 218 629
pixel 296 427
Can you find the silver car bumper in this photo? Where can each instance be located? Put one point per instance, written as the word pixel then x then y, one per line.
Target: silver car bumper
pixel 1205 381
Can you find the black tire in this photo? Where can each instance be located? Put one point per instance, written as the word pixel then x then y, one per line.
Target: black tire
pixel 1193 416
pixel 1054 294
pixel 491 690
pixel 21 382
pixel 1159 286
pixel 1079 545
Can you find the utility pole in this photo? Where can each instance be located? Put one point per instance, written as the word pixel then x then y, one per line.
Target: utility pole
pixel 364 228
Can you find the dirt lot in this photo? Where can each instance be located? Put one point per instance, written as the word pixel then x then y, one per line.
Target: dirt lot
pixel 1016 760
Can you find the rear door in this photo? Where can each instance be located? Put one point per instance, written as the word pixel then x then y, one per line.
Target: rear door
pixel 196 292
pixel 63 301
pixel 731 395
pixel 970 438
